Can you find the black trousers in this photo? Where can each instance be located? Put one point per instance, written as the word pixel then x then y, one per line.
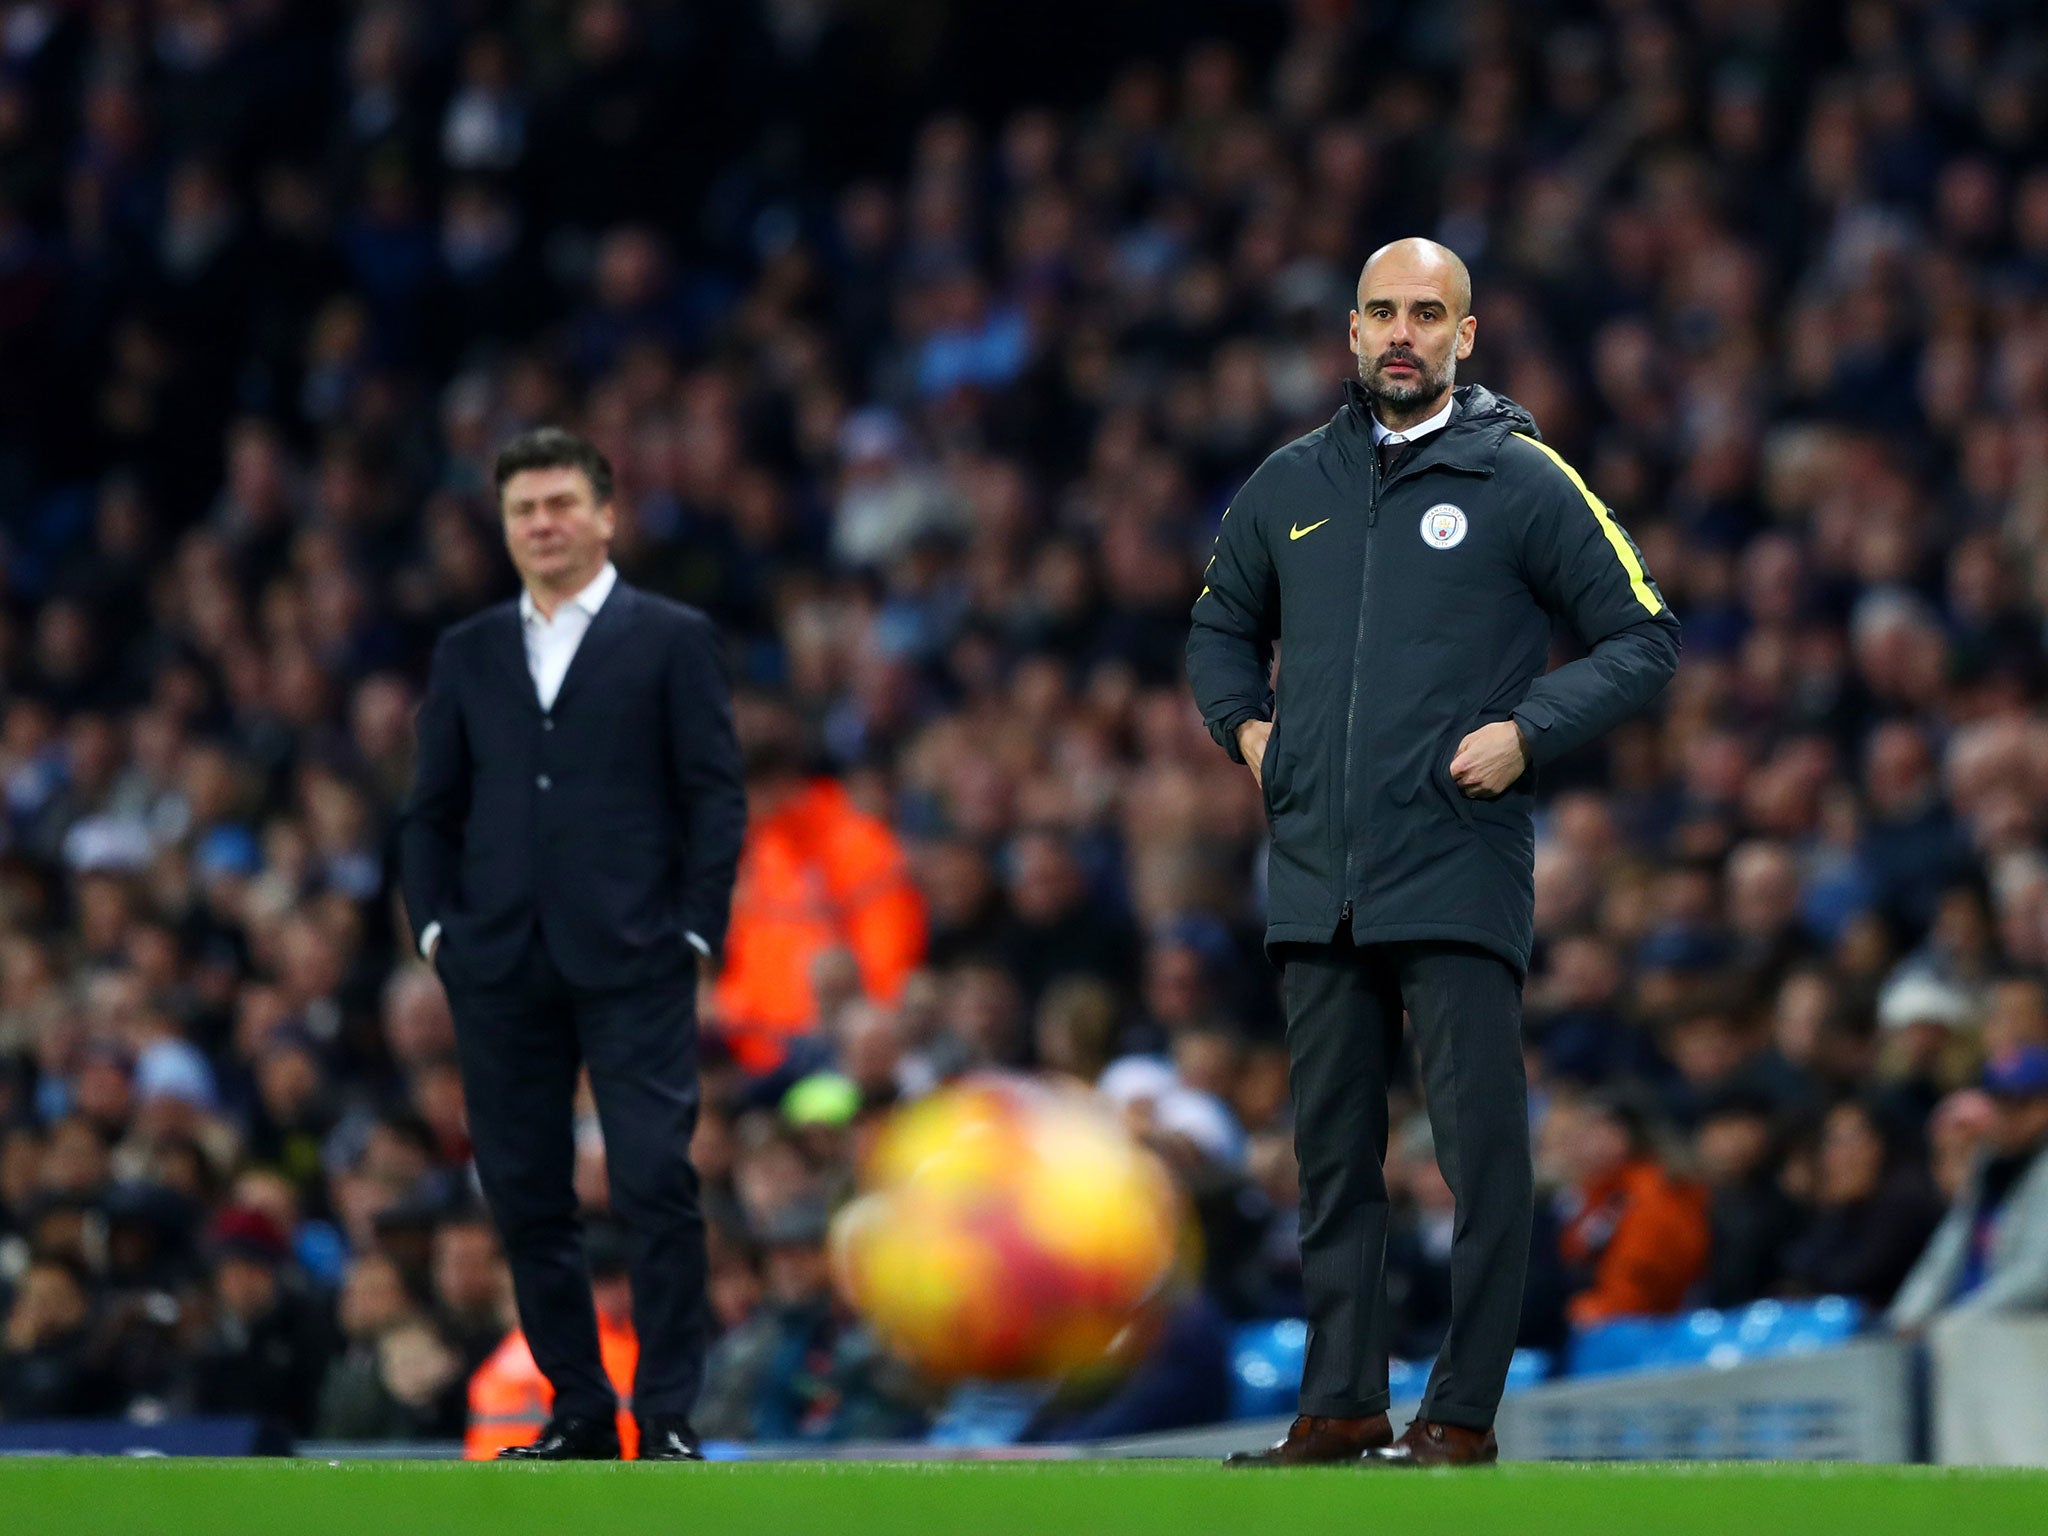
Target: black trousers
pixel 521 1042
pixel 1344 1005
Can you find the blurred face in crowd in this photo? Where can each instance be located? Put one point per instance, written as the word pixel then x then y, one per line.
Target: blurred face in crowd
pixel 712 1147
pixel 984 1010
pixel 2022 1124
pixel 1177 990
pixel 556 530
pixel 1851 1156
pixel 2018 1016
pixel 437 1098
pixel 21 1160
pixel 1916 1049
pixel 734 1289
pixel 246 1287
pixel 1732 1146
pixel 1956 1135
pixel 1259 1094
pixel 870 1047
pixel 1805 1004
pixel 288 1078
pixel 76 1162
pixel 103 1091
pixel 1763 889
pixel 417 1024
pixel 1898 769
pixel 392 1159
pixel 798 1273
pixel 1047 883
pixel 771 1171
pixel 956 882
pixel 48 1306
pixel 265 1190
pixel 466 1267
pixel 1585 1143
pixel 1206 1060
pixel 1412 328
pixel 835 982
pixel 1274 1168
pixel 416 1364
pixel 180 1166
pixel 373 1298
pixel 1705 1047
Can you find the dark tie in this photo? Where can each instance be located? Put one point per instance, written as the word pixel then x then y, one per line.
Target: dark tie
pixel 1390 453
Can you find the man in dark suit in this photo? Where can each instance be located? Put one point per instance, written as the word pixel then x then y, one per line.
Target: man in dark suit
pixel 569 851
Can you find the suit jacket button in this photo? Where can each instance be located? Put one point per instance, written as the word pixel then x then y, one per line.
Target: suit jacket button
pixel 544 782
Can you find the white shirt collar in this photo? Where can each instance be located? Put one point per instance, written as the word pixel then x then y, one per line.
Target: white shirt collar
pixel 1421 429
pixel 590 599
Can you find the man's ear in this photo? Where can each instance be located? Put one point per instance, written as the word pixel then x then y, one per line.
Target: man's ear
pixel 1468 328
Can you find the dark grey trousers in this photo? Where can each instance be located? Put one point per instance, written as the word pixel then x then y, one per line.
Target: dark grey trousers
pixel 1344 1005
pixel 521 1043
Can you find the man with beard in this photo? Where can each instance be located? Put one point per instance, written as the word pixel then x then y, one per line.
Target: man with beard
pixel 1410 557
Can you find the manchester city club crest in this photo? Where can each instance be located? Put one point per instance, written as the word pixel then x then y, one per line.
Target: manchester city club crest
pixel 1443 526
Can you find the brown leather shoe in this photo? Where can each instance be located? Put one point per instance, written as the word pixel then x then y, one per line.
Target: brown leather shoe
pixel 1316 1441
pixel 1425 1443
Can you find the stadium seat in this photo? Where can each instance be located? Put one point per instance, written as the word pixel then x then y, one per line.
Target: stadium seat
pixel 1266 1363
pixel 1265 1368
pixel 1762 1330
pixel 1529 1368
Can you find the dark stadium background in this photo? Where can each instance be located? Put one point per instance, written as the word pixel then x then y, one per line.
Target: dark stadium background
pixel 930 341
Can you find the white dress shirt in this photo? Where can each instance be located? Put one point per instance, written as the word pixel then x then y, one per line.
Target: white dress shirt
pixel 1382 434
pixel 550 647
pixel 551 643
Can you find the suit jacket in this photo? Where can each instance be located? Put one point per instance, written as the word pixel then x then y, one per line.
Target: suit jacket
pixel 610 824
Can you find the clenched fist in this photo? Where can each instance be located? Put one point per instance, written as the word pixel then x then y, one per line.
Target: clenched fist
pixel 1489 759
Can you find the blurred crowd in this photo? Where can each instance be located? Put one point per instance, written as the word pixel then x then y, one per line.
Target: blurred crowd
pixel 929 350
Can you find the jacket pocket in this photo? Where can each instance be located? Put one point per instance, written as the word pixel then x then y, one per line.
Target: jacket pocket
pixel 1447 749
pixel 1269 772
pixel 1497 824
pixel 1440 771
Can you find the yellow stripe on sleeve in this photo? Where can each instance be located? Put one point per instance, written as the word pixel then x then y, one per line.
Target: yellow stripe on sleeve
pixel 1638 581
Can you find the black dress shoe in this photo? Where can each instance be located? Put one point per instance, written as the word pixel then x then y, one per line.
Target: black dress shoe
pixel 569 1439
pixel 663 1439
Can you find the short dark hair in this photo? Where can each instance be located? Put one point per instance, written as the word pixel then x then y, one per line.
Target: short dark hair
pixel 554 448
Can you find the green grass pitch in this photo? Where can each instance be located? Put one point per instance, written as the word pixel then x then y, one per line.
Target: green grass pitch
pixel 86 1497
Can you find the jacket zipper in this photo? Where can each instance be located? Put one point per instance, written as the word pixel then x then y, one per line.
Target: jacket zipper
pixel 1372 517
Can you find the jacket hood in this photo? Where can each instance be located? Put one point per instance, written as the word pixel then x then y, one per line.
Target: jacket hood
pixel 1480 406
pixel 1477 408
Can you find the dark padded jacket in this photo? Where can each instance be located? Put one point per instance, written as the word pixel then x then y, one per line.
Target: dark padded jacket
pixel 1408 614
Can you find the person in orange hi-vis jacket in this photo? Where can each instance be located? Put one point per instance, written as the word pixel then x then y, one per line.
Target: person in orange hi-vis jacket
pixel 1636 1235
pixel 509 1398
pixel 817 873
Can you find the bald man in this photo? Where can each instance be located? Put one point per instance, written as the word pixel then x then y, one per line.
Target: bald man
pixel 1410 557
